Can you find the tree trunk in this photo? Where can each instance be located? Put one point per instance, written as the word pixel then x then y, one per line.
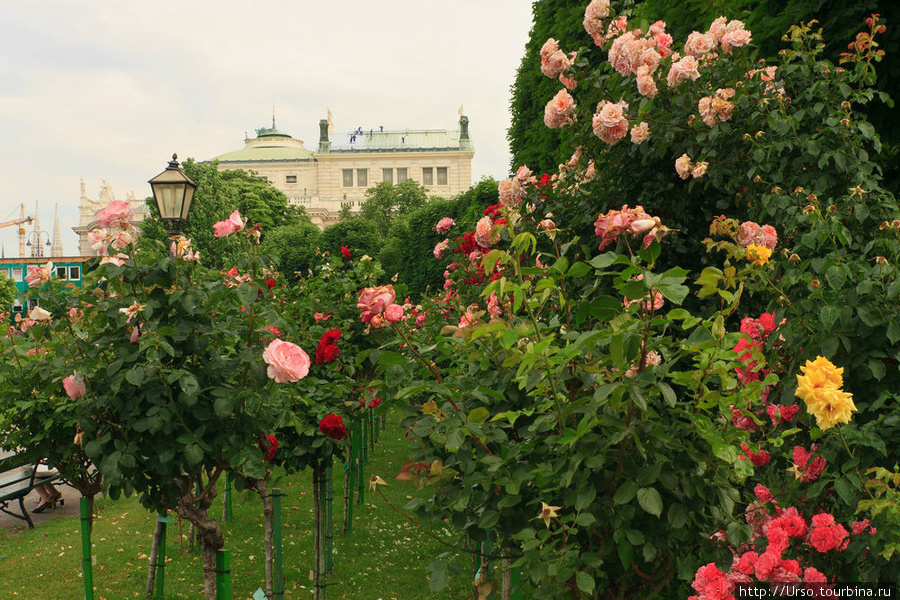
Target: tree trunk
pixel 261 486
pixel 194 510
pixel 154 556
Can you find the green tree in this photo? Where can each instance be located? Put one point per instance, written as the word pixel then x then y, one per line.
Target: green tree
pixel 359 235
pixel 218 194
pixel 386 200
pixel 8 292
pixel 294 247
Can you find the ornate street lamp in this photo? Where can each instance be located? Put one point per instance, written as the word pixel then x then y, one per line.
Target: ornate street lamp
pixel 174 193
pixel 35 236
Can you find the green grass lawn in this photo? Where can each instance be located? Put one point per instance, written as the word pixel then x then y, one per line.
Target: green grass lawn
pixel 385 557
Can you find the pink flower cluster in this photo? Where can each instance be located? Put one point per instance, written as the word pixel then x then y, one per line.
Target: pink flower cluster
pixel 554 62
pixel 609 122
pixel 594 14
pixel 779 533
pixel 485 235
pixel 440 248
pixel 559 111
pixel 115 230
pixel 717 108
pixel 229 226
pixel 444 225
pixel 610 225
pixel 752 233
pixel 74 386
pixel 682 70
pixel 377 306
pixel 685 167
pixel 511 191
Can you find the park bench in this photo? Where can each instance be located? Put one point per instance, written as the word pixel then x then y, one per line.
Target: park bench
pixel 18 476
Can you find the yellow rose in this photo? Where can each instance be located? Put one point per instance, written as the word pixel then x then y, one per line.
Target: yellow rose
pixel 758 255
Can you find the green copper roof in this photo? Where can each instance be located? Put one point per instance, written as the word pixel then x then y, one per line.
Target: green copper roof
pixel 266 153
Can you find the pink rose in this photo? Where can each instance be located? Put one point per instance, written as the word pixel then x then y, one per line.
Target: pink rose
pixel 609 122
pixel 684 69
pixel 699 44
pixel 117 214
pixel 444 225
pixel 594 14
pixel 373 301
pixel 99 239
pixel 121 239
pixel 640 133
pixel 646 85
pixel 684 166
pixel 39 275
pixel 393 313
pixel 483 235
pixel 231 225
pixel 440 247
pixel 735 39
pixel 39 314
pixel 558 112
pixel 287 361
pixel 555 64
pixel 75 389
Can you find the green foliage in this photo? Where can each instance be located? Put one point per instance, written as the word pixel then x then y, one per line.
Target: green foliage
pixel 358 234
pixel 218 194
pixel 385 201
pixel 293 248
pixel 8 292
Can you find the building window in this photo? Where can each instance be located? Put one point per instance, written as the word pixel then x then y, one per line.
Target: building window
pixel 442 175
pixel 362 177
pixel 348 177
pixel 62 272
pixel 401 174
pixel 32 302
pixel 74 273
pixel 427 176
pixel 290 179
pixel 17 274
pixel 387 175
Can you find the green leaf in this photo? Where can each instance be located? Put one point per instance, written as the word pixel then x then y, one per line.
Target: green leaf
pixel 603 260
pixel 585 582
pixel 579 269
pixel 189 384
pixel 193 454
pixel 625 492
pixel 650 500
pixel 437 580
pixel 668 394
pixel 135 376
pixel 478 415
pixel 843 489
pixel 247 293
pixel 223 407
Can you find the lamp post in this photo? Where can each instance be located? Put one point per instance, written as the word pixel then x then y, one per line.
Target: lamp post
pixel 173 192
pixel 34 242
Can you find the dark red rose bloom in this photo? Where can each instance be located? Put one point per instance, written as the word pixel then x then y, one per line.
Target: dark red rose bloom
pixel 345 252
pixel 333 427
pixel 327 351
pixel 273 446
pixel 270 282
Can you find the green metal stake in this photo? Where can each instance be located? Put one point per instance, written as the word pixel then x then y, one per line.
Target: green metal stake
pixel 161 557
pixel 360 459
pixel 348 493
pixel 276 541
pixel 375 423
pixel 365 439
pixel 87 568
pixel 227 497
pixel 329 515
pixel 223 575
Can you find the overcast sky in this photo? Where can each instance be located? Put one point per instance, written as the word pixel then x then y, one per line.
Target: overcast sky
pixel 108 90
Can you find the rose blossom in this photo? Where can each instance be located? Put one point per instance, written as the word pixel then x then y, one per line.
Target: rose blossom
pixel 99 239
pixel 440 247
pixel 699 169
pixel 609 122
pixel 684 69
pixel 39 275
pixel 231 225
pixel 558 111
pixel 75 389
pixel 39 314
pixel 287 361
pixel 117 214
pixel 483 236
pixel 444 225
pixel 333 426
pixel 699 44
pixel 683 166
pixel 594 14
pixel 646 85
pixel 735 39
pixel 640 133
pixel 345 252
pixel 393 313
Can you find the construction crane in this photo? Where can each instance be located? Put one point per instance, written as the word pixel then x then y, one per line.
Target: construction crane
pixel 21 222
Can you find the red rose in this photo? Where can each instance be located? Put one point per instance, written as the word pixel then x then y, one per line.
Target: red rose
pixel 273 446
pixel 333 427
pixel 327 351
pixel 270 283
pixel 345 252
